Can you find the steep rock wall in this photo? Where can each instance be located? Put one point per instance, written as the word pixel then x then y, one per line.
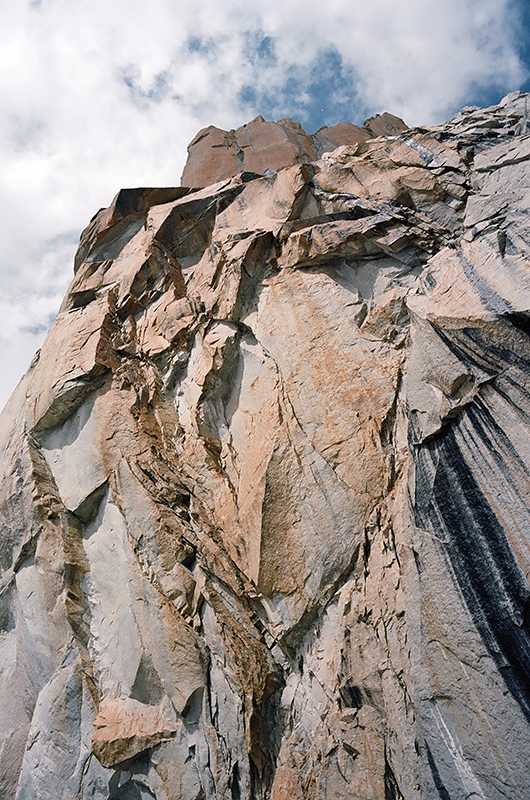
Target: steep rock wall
pixel 264 498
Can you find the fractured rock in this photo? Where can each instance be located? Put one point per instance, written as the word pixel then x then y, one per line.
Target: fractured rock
pixel 264 492
pixel 260 146
pixel 215 155
pixel 125 728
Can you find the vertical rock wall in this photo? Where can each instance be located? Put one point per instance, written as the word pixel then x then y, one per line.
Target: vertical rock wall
pixel 264 499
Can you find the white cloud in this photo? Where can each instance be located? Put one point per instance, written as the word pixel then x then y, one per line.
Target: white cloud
pixel 96 96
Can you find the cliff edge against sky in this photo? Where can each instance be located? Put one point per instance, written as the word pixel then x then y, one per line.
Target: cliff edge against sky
pixel 264 497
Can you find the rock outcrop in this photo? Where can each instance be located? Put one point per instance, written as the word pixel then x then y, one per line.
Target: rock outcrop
pixel 260 147
pixel 265 493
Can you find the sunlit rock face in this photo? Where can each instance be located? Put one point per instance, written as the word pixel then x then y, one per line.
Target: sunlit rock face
pixel 262 147
pixel 265 491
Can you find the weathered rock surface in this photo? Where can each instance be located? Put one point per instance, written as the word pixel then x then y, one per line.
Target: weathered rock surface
pixel 265 494
pixel 261 147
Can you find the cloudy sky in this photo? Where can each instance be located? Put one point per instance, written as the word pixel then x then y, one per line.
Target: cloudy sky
pixel 96 96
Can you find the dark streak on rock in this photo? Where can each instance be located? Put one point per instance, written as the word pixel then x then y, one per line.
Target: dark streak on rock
pixel 520 321
pixel 460 514
pixel 392 790
pixel 489 353
pixel 442 791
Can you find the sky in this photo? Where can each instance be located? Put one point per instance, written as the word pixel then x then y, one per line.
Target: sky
pixel 98 95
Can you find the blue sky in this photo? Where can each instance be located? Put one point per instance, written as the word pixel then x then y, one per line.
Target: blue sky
pixel 97 96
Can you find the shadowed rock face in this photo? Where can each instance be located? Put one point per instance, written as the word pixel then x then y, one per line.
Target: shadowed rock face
pixel 265 497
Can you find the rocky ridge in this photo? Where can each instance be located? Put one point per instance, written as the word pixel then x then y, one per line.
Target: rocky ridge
pixel 264 495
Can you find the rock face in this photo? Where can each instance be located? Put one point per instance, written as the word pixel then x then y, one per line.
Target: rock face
pixel 261 147
pixel 265 492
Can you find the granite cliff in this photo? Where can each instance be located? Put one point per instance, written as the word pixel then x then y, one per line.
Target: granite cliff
pixel 264 501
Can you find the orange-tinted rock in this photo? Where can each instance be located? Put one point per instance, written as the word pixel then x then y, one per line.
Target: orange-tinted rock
pixel 124 728
pixel 327 139
pixel 216 155
pixel 273 145
pixel 212 156
pixel 385 125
